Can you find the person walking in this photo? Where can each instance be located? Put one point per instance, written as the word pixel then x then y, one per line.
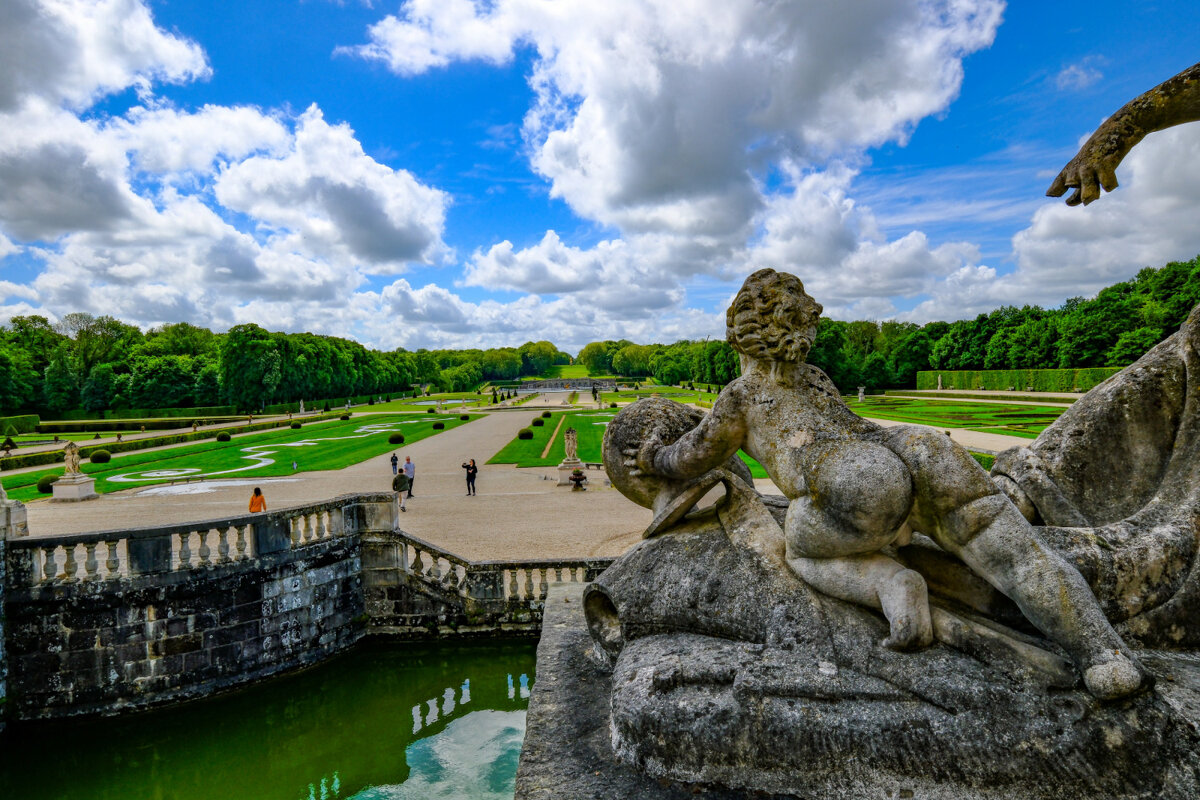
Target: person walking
pixel 472 471
pixel 257 501
pixel 400 485
pixel 410 470
pixel 395 463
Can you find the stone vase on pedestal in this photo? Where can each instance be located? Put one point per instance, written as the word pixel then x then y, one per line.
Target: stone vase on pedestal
pixel 73 488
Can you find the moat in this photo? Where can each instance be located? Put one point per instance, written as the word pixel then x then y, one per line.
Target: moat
pixel 382 720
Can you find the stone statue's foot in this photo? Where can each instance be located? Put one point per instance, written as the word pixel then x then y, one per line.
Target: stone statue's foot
pixel 1117 678
pixel 906 605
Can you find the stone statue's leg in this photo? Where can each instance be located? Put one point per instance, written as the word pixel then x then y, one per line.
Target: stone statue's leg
pixel 878 582
pixel 963 511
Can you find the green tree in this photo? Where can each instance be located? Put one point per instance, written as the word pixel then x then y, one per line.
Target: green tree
pixel 99 389
pixel 17 379
pixel 61 382
pixel 1132 345
pixel 250 366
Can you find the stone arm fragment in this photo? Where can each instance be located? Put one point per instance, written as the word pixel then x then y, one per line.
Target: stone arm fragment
pixel 707 446
pixel 1172 102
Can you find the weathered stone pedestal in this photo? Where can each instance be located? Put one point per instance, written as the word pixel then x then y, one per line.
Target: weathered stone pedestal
pixel 565 469
pixel 73 489
pixel 568 752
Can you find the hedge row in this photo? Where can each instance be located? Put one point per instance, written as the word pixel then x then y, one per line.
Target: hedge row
pixel 146 413
pixel 1037 380
pixel 317 405
pixel 26 423
pixel 89 426
pixel 54 456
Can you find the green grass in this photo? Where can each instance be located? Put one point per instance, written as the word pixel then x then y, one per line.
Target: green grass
pixel 325 446
pixel 528 452
pixel 670 392
pixel 1008 420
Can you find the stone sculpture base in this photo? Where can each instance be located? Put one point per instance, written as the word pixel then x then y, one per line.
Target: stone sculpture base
pixel 568 750
pixel 566 468
pixel 73 489
pixel 567 755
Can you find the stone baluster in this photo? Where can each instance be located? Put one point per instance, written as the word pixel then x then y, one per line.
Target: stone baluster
pixel 243 536
pixel 111 564
pixel 294 526
pixel 452 578
pixel 528 584
pixel 558 574
pixel 322 527
pixel 574 575
pixel 513 591
pixel 417 566
pixel 222 545
pixel 308 535
pixel 70 567
pixel 185 550
pixel 90 565
pixel 435 568
pixel 204 552
pixel 50 565
pixel 543 588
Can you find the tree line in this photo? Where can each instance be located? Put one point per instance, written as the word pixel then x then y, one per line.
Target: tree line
pixel 1113 329
pixel 98 363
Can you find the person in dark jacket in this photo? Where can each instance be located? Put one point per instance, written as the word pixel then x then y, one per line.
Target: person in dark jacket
pixel 472 471
pixel 400 486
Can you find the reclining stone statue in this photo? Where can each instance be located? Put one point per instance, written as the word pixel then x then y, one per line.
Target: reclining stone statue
pixel 743 639
pixel 855 487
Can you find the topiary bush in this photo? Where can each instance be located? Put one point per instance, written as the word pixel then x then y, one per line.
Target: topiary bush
pixel 437 426
pixel 396 438
pixel 430 411
pixel 546 415
pixel 223 437
pixel 10 430
pixel 344 417
pixel 326 408
pixel 612 405
pixel 464 416
pixel 295 426
pixel 43 484
pixel 538 422
pixel 524 433
pixel 101 457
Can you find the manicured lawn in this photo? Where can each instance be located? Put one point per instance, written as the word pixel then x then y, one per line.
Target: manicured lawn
pixel 324 446
pixel 1009 420
pixel 670 392
pixel 528 452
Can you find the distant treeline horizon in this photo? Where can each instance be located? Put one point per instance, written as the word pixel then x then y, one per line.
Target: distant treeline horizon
pixel 99 363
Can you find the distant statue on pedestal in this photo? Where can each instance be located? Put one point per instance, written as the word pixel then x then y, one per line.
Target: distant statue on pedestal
pixel 71 459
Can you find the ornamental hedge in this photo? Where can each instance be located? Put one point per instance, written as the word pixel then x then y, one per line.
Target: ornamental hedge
pixel 1042 380
pixel 26 423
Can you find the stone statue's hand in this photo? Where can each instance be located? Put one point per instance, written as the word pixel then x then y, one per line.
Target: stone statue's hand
pixel 1093 167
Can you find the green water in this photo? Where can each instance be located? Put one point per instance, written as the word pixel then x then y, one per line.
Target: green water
pixel 381 722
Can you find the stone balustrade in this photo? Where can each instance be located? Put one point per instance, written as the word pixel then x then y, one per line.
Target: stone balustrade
pixel 113 620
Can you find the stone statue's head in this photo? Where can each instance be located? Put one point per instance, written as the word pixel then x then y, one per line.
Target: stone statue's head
pixel 772 318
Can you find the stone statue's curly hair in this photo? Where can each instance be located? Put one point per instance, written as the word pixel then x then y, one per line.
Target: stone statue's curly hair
pixel 768 318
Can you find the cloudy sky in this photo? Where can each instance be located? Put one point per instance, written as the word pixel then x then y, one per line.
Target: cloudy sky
pixel 450 173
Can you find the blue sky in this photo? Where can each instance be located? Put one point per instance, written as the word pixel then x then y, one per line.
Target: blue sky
pixel 448 173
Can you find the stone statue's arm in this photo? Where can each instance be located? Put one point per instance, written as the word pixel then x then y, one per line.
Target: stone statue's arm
pixel 707 446
pixel 1172 102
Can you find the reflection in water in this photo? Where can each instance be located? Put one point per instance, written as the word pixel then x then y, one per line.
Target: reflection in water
pixel 383 721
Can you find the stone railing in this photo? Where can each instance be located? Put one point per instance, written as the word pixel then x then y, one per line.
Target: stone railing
pixel 114 554
pixel 413 586
pixel 123 619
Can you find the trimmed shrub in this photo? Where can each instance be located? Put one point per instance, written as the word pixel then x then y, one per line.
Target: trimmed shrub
pixel 430 410
pixel 612 405
pixel 464 416
pixel 26 423
pixel 344 417
pixel 524 433
pixel 9 444
pixel 97 436
pixel 396 438
pixel 295 426
pixel 538 422
pixel 43 484
pixel 437 426
pixel 223 436
pixel 101 457
pixel 326 407
pixel 546 414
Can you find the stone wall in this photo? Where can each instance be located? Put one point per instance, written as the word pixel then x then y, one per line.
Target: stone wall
pixel 111 621
pixel 3 651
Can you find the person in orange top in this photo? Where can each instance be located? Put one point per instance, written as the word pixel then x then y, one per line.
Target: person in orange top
pixel 257 501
